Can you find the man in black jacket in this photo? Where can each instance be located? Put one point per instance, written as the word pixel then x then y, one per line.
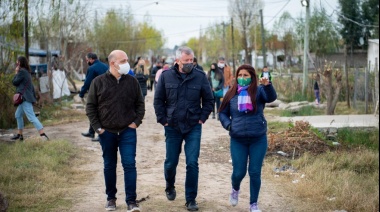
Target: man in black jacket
pixel 95 68
pixel 183 101
pixel 115 108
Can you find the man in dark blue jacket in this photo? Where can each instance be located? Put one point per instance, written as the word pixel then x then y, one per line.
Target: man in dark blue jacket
pixel 96 68
pixel 183 101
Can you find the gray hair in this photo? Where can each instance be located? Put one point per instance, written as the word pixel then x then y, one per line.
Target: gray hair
pixel 183 49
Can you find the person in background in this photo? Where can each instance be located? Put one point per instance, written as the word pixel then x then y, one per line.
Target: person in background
pixel 95 68
pixel 159 72
pixel 183 101
pixel 115 108
pixel 196 65
pixel 216 79
pixel 142 75
pixel 242 106
pixel 316 90
pixel 23 82
pixel 265 73
pixel 227 74
pixel 153 73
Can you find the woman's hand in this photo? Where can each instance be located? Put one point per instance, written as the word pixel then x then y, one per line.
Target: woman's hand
pixel 264 81
pixel 17 69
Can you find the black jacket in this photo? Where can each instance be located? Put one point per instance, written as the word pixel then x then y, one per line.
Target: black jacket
pixel 96 69
pixel 22 79
pixel 183 102
pixel 113 104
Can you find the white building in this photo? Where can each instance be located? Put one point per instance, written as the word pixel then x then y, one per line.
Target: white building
pixel 373 54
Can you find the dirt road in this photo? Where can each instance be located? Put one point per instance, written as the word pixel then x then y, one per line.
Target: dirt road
pixel 214 178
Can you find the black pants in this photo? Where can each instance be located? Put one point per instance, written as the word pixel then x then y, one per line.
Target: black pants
pixel 91 130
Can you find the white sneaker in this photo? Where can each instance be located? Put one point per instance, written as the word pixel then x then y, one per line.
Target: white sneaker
pixel 234 197
pixel 254 208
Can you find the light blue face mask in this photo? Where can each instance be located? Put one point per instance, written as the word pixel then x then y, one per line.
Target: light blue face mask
pixel 244 81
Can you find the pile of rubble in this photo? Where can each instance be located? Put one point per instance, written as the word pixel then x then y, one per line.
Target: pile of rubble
pixel 296 141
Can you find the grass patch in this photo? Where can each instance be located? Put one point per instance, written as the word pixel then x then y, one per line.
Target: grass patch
pixel 358 137
pixel 36 176
pixel 60 114
pixel 303 111
pixel 332 181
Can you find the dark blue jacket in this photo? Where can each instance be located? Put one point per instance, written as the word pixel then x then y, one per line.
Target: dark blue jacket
pixel 243 125
pixel 96 69
pixel 183 102
pixel 22 79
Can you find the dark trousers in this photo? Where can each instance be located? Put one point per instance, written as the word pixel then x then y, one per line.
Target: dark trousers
pixel 125 142
pixel 192 147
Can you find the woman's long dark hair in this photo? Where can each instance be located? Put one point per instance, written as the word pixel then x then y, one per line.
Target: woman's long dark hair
pixel 252 89
pixel 23 63
pixel 217 74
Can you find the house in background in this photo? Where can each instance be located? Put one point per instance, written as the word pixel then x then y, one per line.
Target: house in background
pixel 373 54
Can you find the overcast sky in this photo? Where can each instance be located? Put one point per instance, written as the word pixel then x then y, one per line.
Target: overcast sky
pixel 180 20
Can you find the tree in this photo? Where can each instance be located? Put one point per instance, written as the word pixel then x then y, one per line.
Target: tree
pixel 245 12
pixel 350 15
pixel 331 89
pixel 370 14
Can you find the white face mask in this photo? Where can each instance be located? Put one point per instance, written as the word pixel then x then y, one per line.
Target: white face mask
pixel 221 65
pixel 124 68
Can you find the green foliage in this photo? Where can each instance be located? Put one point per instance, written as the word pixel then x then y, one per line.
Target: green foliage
pixel 350 31
pixel 356 137
pixel 303 111
pixel 36 175
pixel 323 33
pixel 7 110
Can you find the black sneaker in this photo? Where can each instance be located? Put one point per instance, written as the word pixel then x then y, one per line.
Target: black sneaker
pixel 111 205
pixel 18 137
pixel 89 135
pixel 192 205
pixel 170 193
pixel 133 207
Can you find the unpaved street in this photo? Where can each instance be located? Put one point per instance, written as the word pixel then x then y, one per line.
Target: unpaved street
pixel 214 180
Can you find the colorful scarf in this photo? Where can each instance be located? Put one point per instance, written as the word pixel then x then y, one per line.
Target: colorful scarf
pixel 244 100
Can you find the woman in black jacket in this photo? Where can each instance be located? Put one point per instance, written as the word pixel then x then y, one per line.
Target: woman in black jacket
pixel 23 82
pixel 142 75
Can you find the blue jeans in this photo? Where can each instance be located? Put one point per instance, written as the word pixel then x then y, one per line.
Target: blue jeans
pixel 126 143
pixel 192 147
pixel 27 108
pixel 316 92
pixel 243 149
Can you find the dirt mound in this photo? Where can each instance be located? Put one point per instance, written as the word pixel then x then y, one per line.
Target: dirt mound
pixel 296 141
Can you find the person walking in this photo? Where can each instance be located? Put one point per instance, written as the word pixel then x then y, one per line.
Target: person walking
pixel 183 101
pixel 153 72
pixel 266 73
pixel 95 68
pixel 227 74
pixel 142 74
pixel 115 108
pixel 242 114
pixel 24 85
pixel 216 79
pixel 316 90
pixel 196 64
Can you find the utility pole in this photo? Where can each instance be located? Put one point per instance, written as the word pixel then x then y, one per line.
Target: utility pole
pixel 306 3
pixel 233 46
pixel 263 38
pixel 224 41
pixel 26 35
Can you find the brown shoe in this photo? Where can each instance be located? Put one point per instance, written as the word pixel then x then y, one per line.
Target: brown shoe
pixel 133 207
pixel 111 205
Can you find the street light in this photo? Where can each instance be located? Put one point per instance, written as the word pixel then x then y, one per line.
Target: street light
pixel 305 3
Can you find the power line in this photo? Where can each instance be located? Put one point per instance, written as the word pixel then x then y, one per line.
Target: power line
pixel 278 13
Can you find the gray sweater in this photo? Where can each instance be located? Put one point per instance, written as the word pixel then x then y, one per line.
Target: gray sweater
pixel 22 79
